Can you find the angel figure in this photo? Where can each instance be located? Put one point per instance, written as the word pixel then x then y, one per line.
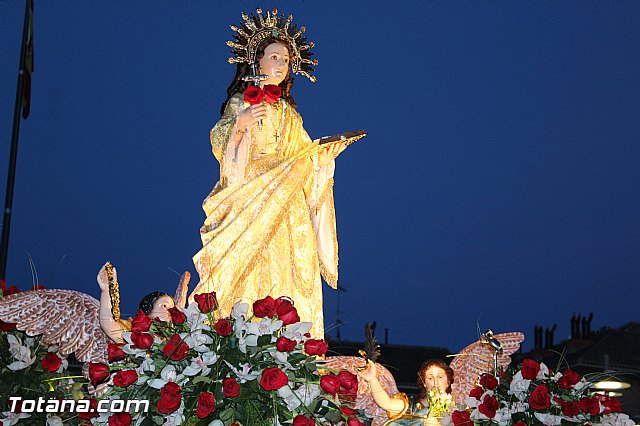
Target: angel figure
pixel 77 322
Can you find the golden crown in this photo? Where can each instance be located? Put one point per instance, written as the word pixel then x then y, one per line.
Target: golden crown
pixel 257 28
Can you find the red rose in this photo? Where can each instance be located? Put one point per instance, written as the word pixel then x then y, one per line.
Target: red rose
pixel 141 340
pixel 120 419
pixel 316 347
pixel 11 290
pixel 348 384
pixel 488 382
pixel 206 404
pixel 230 387
pixel 273 378
pixel 301 420
pixel 330 384
pixel 540 398
pixel 223 327
pixel 98 372
pixel 272 93
pixel 115 352
pixel 570 409
pixel 285 345
pixel 353 421
pixel 612 406
pixel 346 411
pixel 51 362
pixel 176 349
pixel 124 378
pixel 286 312
pixel 38 287
pixel 141 323
pixel 476 392
pixel 519 424
pixel 253 95
pixel 568 379
pixel 93 406
pixel 7 326
pixel 530 369
pixel 264 308
pixel 590 406
pixel 207 302
pixel 489 406
pixel 170 398
pixel 461 418
pixel 177 316
pixel 3 285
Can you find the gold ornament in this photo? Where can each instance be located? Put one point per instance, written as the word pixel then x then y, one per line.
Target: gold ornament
pixel 256 28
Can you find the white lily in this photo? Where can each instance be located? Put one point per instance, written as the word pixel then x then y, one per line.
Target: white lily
pixel 197 340
pixel 168 374
pixel 11 419
pixel 201 364
pixel 240 310
pixel 548 419
pixel 297 331
pixel 20 352
pixel 244 374
pixel 264 327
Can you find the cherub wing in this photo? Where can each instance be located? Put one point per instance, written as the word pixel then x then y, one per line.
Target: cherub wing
pixel 65 318
pixel 477 359
pixel 180 299
pixel 364 401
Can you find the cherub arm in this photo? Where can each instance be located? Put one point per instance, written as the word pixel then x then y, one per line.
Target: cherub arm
pixel 395 405
pixel 112 328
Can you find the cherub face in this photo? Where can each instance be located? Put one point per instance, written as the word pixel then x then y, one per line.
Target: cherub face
pixel 435 377
pixel 161 308
pixel 275 63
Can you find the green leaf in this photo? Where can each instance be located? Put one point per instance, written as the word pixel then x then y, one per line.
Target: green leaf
pixel 201 379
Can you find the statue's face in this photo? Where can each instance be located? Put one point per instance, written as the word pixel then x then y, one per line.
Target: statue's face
pixel 161 308
pixel 435 377
pixel 275 63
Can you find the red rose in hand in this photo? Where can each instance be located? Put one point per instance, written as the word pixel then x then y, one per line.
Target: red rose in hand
pixel 354 422
pixel 264 308
pixel 206 404
pixel 115 352
pixel 488 382
pixel 315 347
pixel 207 302
pixel 301 420
pixel 176 349
pixel 530 369
pixel 253 95
pixel 11 290
pixel 346 411
pixel 98 373
pixel 124 378
pixel 348 384
pixel 286 312
pixel 7 326
pixel 476 393
pixel 120 419
pixel 569 379
pixel 612 406
pixel 93 406
pixel 461 418
pixel 230 387
pixel 141 323
pixel 223 327
pixel 590 406
pixel 489 406
pixel 284 344
pixel 540 398
pixel 570 409
pixel 272 93
pixel 330 384
pixel 170 398
pixel 273 378
pixel 141 340
pixel 177 316
pixel 51 362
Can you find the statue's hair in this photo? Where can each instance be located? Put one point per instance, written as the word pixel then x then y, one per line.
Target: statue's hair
pixel 423 369
pixel 242 69
pixel 146 304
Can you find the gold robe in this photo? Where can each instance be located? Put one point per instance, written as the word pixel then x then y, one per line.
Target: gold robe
pixel 270 226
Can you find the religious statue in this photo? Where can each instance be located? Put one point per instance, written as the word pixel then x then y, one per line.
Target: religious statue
pixel 270 226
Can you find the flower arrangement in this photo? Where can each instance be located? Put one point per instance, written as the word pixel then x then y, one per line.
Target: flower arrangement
pixel 534 395
pixel 259 369
pixel 440 403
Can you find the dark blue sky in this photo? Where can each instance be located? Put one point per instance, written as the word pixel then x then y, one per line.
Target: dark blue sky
pixel 499 183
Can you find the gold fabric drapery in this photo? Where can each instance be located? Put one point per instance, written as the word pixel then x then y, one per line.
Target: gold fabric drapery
pixel 270 226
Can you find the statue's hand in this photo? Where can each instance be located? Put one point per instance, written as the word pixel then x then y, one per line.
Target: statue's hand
pixel 103 278
pixel 370 372
pixel 250 116
pixel 327 153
